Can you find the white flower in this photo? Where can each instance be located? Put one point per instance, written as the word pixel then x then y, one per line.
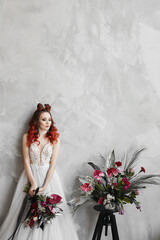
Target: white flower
pixel 35 218
pixel 108 199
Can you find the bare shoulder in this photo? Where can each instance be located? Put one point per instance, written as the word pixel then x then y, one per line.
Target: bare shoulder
pixel 56 143
pixel 24 139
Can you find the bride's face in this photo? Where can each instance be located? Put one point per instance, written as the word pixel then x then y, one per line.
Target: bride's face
pixel 45 121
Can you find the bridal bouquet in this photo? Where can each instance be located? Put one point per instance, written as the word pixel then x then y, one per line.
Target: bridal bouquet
pixel 115 184
pixel 42 209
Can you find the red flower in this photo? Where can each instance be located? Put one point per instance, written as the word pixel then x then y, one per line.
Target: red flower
pixel 118 164
pixel 55 199
pixel 112 171
pixel 127 183
pixel 86 187
pixel 101 200
pixel 143 169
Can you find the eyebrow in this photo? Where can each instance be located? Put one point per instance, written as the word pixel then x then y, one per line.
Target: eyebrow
pixel 46 117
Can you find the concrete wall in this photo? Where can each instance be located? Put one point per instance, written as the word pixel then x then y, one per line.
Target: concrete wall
pixel 97 63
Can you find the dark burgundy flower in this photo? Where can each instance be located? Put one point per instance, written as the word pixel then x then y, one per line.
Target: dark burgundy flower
pixel 31 223
pixel 34 205
pixel 55 198
pixel 115 184
pixel 138 207
pixel 118 164
pixel 143 169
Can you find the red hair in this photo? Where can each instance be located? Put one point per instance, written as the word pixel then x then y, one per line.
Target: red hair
pixel 33 131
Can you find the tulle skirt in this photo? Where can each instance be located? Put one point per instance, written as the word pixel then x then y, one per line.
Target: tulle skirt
pixel 63 227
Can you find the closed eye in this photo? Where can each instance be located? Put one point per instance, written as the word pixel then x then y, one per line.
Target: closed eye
pixel 44 119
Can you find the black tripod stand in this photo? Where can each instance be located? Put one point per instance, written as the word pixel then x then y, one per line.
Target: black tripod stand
pixel 106 218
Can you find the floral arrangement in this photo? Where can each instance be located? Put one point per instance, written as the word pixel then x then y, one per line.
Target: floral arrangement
pixel 42 209
pixel 115 184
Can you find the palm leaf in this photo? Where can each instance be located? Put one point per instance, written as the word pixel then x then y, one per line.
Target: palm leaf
pixel 141 181
pixel 132 156
pixel 103 159
pixel 95 167
pixel 77 202
pixel 84 179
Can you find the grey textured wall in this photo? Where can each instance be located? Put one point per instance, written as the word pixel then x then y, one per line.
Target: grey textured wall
pixel 97 63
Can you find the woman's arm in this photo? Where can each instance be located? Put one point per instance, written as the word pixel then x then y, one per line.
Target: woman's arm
pixel 27 166
pixel 52 167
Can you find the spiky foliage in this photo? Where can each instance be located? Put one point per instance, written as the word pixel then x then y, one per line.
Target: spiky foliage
pixel 115 182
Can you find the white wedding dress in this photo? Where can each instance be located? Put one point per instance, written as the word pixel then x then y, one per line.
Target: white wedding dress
pixel 63 227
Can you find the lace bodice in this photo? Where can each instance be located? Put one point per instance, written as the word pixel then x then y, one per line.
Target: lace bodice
pixel 40 158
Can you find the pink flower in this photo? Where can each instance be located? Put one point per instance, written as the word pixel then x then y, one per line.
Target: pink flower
pixel 51 209
pixel 143 169
pixel 119 170
pixel 43 204
pixel 125 187
pixel 121 212
pixel 86 187
pixel 101 200
pixel 118 164
pixel 131 170
pixel 137 192
pixel 98 174
pixel 112 171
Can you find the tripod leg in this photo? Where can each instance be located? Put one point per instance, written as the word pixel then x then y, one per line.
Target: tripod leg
pixel 114 228
pixel 100 227
pixel 106 224
pixel 97 227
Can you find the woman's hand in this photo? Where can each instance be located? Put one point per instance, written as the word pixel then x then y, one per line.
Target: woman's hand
pixel 32 190
pixel 41 190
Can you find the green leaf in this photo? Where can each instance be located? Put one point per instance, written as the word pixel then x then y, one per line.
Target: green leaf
pixel 120 201
pixel 126 200
pixel 27 187
pixel 99 186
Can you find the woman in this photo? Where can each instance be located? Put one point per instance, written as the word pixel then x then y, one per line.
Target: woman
pixel 40 151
